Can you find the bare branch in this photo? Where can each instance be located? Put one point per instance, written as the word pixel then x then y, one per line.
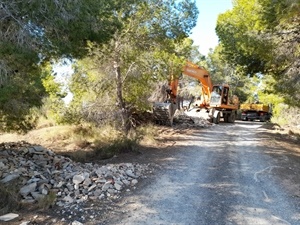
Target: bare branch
pixel 128 71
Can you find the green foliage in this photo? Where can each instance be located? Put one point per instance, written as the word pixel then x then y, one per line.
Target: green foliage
pixel 263 89
pixel 59 27
pixel 108 32
pixel 31 32
pixel 263 37
pixel 238 30
pixel 224 73
pixel 287 116
pixel 17 56
pixel 47 201
pixel 18 96
pixel 174 19
pixel 20 86
pixel 147 48
pixel 53 104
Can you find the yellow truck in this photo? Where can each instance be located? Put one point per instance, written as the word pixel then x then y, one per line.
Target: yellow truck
pixel 256 111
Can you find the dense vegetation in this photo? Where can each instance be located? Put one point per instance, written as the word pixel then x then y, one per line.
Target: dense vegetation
pixel 261 37
pixel 120 50
pixel 118 39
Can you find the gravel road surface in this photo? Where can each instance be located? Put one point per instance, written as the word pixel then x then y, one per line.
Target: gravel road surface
pixel 231 174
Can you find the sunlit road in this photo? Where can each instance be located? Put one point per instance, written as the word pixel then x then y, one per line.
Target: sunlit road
pixel 224 175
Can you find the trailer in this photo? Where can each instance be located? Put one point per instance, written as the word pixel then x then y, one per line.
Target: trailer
pixel 256 111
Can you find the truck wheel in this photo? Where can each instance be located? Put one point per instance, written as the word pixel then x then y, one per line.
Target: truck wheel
pixel 216 118
pixel 226 117
pixel 231 117
pixel 263 119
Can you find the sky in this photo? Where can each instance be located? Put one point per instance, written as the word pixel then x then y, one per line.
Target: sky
pixel 204 34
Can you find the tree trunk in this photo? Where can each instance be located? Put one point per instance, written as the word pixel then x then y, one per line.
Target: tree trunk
pixel 121 103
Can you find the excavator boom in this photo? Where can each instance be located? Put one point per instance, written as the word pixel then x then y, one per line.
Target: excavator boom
pixel 199 73
pixel 202 75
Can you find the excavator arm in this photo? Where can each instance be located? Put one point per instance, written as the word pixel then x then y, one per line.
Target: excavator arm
pixel 172 92
pixel 203 76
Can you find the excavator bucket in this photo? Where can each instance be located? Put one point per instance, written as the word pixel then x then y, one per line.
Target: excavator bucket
pixel 164 102
pixel 163 113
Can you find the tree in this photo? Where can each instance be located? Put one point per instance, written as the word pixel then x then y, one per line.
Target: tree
pixel 282 21
pixel 238 29
pixel 263 37
pixel 149 28
pixel 223 72
pixel 32 32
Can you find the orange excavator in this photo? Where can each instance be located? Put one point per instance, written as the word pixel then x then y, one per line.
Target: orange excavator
pixel 214 104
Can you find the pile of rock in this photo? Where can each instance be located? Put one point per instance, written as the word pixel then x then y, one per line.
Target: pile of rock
pixel 190 119
pixel 40 172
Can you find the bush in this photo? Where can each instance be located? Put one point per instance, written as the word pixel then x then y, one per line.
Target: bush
pixel 287 116
pixel 10 200
pixel 121 145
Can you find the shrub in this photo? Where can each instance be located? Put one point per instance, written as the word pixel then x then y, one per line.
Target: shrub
pixel 10 199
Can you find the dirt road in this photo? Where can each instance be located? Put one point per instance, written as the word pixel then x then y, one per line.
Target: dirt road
pixel 229 174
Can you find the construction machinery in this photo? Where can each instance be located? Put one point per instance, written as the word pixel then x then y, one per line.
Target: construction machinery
pixel 163 112
pixel 256 111
pixel 214 102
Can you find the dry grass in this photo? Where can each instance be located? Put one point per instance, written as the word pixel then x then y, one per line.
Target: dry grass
pixel 47 202
pixel 149 134
pixel 83 141
pixel 9 198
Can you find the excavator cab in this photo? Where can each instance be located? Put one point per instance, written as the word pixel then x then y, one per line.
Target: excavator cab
pixel 219 95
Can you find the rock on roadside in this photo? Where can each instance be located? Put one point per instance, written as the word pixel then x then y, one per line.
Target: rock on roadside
pixel 40 172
